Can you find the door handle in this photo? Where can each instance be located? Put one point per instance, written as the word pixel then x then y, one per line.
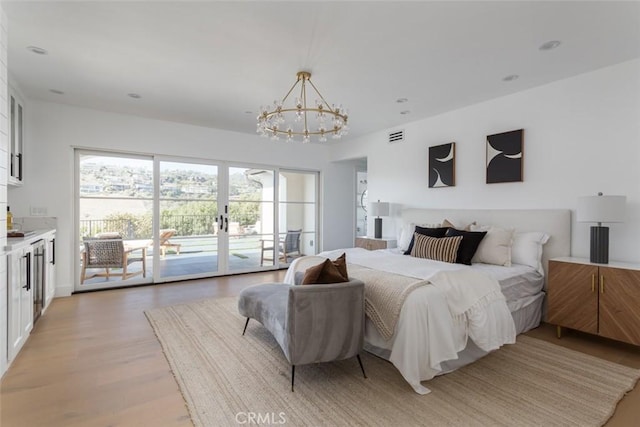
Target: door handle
pixel 53 251
pixel 28 285
pixel 226 224
pixel 602 284
pixel 221 224
pixel 593 283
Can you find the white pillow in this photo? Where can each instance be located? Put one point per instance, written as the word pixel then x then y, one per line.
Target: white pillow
pixel 406 234
pixel 495 247
pixel 527 249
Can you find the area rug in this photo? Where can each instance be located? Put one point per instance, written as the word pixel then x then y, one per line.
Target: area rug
pixel 230 379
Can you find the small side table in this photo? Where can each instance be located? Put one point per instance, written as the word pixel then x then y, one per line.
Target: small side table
pixel 371 243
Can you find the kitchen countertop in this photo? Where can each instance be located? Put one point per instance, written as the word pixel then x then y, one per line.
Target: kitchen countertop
pixel 14 243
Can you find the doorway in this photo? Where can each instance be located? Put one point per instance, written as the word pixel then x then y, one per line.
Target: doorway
pixel 362 201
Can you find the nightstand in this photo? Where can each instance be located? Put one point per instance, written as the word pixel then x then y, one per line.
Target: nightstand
pixel 600 299
pixel 371 243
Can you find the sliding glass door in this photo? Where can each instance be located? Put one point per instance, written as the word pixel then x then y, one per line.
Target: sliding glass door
pixel 188 240
pixel 297 214
pixel 143 219
pixel 115 219
pixel 251 215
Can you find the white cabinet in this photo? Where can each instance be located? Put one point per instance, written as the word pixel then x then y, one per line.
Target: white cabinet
pixel 16 138
pixel 50 279
pixel 20 299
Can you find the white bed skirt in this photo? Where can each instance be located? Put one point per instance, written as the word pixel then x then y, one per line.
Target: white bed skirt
pixel 526 313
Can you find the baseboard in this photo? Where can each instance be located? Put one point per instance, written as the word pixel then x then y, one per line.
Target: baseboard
pixel 63 291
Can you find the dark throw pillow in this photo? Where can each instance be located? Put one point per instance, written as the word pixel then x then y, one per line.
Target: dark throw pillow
pixel 327 272
pixel 443 249
pixel 426 231
pixel 469 245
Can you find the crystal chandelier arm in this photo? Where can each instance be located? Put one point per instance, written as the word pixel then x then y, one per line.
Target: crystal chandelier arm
pixel 304 104
pixel 290 90
pixel 321 97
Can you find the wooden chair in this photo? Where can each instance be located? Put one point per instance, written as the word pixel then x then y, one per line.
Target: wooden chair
pixel 165 235
pixel 289 247
pixel 110 253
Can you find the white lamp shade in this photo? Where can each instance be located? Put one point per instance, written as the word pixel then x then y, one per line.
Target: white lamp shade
pixel 380 208
pixel 601 209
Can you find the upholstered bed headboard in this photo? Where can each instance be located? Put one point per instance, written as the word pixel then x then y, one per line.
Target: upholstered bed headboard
pixel 555 222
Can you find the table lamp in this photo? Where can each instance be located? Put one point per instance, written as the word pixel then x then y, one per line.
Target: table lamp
pixel 600 209
pixel 379 209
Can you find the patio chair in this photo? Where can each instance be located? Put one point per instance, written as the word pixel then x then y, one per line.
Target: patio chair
pixel 165 235
pixel 109 253
pixel 289 247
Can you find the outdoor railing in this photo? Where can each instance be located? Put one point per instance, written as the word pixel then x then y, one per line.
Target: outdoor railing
pixel 140 228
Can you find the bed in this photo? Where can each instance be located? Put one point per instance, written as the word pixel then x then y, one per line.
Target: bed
pixel 427 339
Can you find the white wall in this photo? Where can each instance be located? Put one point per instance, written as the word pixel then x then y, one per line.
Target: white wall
pixel 582 135
pixel 4 148
pixel 54 129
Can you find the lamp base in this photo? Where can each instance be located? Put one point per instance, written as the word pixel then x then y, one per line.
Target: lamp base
pixel 599 245
pixel 378 231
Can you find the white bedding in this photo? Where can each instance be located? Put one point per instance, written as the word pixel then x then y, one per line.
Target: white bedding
pixel 426 334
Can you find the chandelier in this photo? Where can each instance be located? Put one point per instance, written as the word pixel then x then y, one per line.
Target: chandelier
pixel 300 119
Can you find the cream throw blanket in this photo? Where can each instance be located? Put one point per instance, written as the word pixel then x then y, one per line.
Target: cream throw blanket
pixel 384 294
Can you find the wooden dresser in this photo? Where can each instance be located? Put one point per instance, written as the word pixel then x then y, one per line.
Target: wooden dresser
pixel 601 299
pixel 371 243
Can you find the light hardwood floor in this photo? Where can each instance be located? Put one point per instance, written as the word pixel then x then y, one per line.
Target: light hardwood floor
pixel 93 360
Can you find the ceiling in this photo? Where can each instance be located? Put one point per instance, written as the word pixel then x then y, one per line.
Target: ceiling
pixel 215 63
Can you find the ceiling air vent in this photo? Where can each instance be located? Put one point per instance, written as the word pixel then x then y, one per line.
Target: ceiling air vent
pixel 395 137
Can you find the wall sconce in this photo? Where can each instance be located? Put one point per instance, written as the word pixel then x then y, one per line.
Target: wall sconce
pixel 600 209
pixel 379 209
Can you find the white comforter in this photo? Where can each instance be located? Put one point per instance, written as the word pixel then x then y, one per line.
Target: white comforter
pixel 427 334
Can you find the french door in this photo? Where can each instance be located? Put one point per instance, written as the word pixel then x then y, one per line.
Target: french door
pixel 143 219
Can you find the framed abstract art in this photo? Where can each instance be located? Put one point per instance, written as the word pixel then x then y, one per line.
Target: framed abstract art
pixel 442 162
pixel 505 157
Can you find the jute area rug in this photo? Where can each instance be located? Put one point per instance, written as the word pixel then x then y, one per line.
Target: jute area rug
pixel 230 379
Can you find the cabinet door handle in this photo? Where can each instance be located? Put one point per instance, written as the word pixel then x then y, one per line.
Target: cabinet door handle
pixel 593 283
pixel 602 284
pixel 19 156
pixel 28 285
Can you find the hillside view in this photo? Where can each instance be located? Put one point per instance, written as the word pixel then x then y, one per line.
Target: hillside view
pixel 116 195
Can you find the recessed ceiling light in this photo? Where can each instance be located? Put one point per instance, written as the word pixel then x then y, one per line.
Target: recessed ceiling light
pixel 550 45
pixel 36 49
pixel 401 100
pixel 134 95
pixel 510 78
pixel 248 112
pixel 405 112
pixel 56 91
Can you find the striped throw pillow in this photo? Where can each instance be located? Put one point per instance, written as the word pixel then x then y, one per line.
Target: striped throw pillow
pixel 439 249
